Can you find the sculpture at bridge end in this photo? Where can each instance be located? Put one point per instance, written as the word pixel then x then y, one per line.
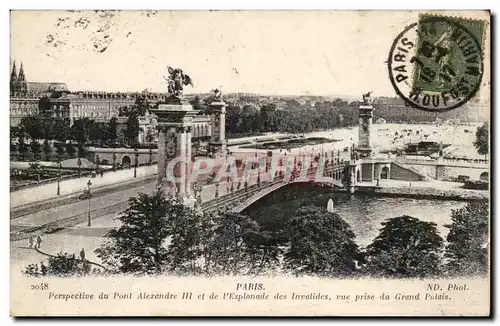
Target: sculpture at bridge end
pixel 367 97
pixel 176 81
pixel 217 94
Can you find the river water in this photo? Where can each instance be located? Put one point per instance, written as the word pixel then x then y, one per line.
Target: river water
pixel 363 212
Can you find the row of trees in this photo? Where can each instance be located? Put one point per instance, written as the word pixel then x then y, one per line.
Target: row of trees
pixel 295 118
pixel 82 131
pixel 160 235
pixel 34 150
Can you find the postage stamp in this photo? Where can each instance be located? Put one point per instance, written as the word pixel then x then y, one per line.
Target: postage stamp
pixel 437 64
pixel 249 163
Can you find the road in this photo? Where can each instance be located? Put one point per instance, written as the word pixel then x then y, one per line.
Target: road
pixel 97 203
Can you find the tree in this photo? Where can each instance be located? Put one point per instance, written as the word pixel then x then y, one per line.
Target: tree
pixel 70 149
pixel 47 149
pixel 468 240
pixel 112 130
pixel 32 126
pixel 321 244
pixel 35 148
pixel 22 148
pixel 61 129
pixel 481 142
pixel 48 128
pixel 81 130
pixel 405 247
pixel 138 246
pixel 81 151
pixel 13 149
pixel 185 247
pixel 59 150
pixel 235 244
pixel 131 131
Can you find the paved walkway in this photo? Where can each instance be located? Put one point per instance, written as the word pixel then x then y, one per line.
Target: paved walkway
pixel 413 184
pixel 72 186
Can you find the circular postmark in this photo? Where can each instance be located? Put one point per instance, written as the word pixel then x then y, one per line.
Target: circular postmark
pixel 436 64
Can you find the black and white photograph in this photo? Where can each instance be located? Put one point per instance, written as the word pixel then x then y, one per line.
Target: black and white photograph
pixel 233 162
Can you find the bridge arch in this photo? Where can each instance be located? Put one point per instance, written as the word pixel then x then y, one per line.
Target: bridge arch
pixel 259 193
pixel 126 160
pixel 484 176
pixel 384 173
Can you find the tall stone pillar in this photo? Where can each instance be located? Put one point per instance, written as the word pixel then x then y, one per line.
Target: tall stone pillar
pixel 162 161
pixel 218 141
pixel 365 124
pixel 174 125
pixel 189 162
pixel 351 177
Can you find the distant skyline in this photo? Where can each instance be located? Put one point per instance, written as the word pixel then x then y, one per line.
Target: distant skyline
pixel 322 53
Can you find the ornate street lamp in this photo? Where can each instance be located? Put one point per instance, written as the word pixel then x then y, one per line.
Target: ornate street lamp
pixel 79 163
pixel 114 161
pixel 136 154
pixel 59 176
pixel 97 161
pixel 90 196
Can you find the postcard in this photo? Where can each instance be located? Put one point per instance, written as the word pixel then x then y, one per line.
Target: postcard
pixel 250 163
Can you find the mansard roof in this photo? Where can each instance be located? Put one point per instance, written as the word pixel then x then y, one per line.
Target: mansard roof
pixel 43 87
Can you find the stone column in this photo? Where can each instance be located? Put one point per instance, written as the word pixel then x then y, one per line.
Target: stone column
pixel 181 166
pixel 365 125
pixel 189 163
pixel 218 139
pixel 162 164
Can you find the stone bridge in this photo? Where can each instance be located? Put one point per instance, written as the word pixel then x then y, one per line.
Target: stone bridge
pixel 237 201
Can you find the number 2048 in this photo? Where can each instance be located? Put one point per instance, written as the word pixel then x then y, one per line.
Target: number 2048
pixel 41 286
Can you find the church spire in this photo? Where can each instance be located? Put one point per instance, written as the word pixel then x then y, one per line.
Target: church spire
pixel 13 75
pixel 21 76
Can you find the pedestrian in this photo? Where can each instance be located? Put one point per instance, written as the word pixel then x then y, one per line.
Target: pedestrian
pixel 82 254
pixel 102 173
pixel 31 241
pixel 43 269
pixel 38 241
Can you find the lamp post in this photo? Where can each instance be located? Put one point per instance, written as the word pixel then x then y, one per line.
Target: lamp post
pixel 97 161
pixel 114 161
pixel 136 154
pixel 58 177
pixel 150 155
pixel 79 163
pixel 90 196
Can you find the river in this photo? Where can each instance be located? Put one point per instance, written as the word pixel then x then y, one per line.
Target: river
pixel 363 212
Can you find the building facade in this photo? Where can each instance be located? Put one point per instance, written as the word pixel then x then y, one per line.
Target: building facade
pixel 55 100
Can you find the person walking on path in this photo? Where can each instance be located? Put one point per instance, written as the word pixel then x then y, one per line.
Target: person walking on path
pixel 82 254
pixel 38 242
pixel 31 241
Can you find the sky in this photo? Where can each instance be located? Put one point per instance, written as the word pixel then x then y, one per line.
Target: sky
pixel 285 53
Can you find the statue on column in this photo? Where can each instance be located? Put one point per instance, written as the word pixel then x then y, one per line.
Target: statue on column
pixel 366 97
pixel 176 80
pixel 217 94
